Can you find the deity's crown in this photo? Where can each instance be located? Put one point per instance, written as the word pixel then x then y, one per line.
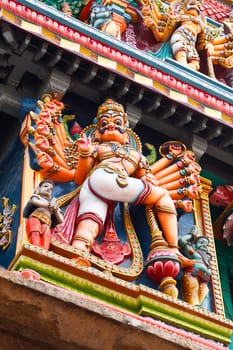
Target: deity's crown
pixel 110 105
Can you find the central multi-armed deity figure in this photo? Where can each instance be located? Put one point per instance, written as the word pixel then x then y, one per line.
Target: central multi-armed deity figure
pixel 111 170
pixel 106 163
pixel 114 171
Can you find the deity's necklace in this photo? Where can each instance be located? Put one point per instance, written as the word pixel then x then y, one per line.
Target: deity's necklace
pixel 120 150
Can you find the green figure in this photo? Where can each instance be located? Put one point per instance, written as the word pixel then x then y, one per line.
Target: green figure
pixel 195 278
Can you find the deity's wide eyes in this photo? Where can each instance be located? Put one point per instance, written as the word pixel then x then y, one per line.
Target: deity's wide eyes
pixel 103 123
pixel 118 122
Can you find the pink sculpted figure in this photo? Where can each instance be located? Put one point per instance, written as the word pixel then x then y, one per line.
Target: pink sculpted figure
pixel 42 212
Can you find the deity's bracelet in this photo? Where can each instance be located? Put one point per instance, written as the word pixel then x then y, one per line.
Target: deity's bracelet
pixel 54 169
pixel 84 154
pixel 179 203
pixel 183 191
pixel 185 171
pixel 171 155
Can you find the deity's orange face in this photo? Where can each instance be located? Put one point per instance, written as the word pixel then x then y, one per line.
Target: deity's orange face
pixel 193 7
pixel 112 126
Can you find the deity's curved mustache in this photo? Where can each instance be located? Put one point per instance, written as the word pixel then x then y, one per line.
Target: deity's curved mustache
pixel 102 130
pixel 192 7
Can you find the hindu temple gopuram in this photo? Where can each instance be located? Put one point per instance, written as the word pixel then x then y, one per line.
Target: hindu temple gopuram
pixel 116 174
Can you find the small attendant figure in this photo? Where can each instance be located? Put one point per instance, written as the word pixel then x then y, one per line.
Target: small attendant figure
pixel 42 213
pixel 195 279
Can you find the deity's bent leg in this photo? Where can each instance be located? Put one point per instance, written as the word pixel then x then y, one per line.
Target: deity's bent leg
pixel 96 194
pixel 86 231
pixel 107 186
pixel 178 44
pixel 90 219
pixel 102 188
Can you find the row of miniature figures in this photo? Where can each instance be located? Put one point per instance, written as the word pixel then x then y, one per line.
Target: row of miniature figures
pixel 180 26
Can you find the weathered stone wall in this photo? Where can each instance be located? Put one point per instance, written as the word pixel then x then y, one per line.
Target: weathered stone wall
pixel 39 316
